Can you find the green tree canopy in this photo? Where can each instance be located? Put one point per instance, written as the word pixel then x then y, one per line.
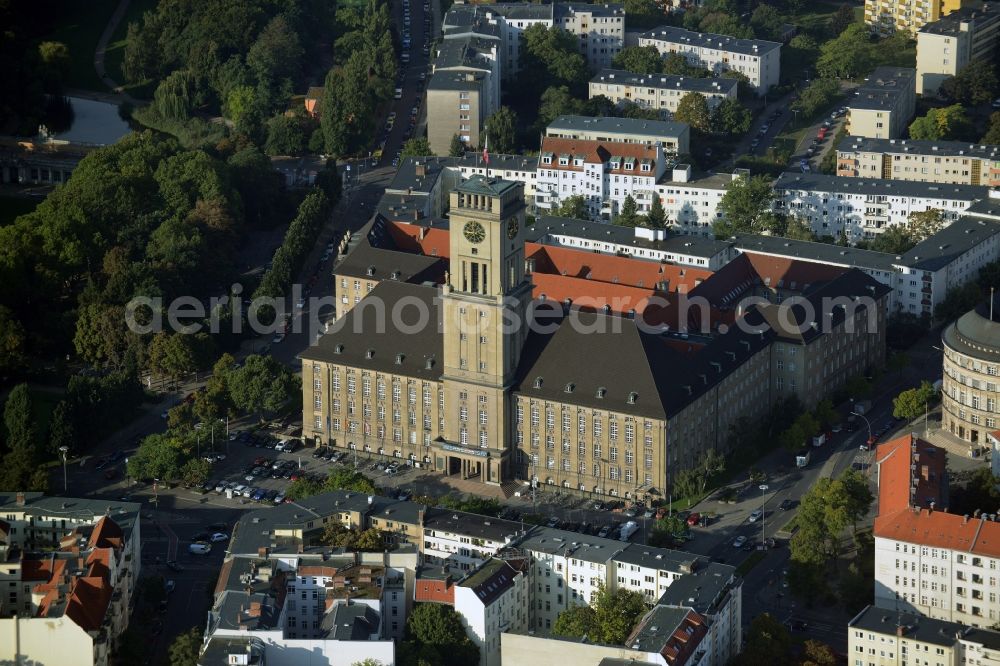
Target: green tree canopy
pixel 731 117
pixel 628 216
pixel 186 648
pixel 261 385
pixel 746 207
pixel 416 147
pixel 656 218
pixel 976 83
pixel 574 206
pixel 847 56
pixel 911 403
pixel 946 123
pixel 440 627
pixel 501 127
pixel 609 619
pixel 639 59
pixel 456 148
pixel 693 110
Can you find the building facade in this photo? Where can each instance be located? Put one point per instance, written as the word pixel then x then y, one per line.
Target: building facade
pixel 947 45
pixel 970 398
pixel 945 162
pixel 884 104
pixel 888 16
pixel 492 600
pixel 659 92
pixel 673 138
pixel 862 208
pixel 758 59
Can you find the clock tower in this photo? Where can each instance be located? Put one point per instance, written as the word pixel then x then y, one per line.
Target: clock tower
pixel 484 303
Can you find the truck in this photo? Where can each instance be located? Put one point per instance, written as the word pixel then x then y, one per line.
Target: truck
pixel 628 529
pixel 820 439
pixel 803 460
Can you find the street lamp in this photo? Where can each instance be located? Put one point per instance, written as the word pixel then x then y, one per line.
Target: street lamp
pixel 871 440
pixel 63 450
pixel 763 501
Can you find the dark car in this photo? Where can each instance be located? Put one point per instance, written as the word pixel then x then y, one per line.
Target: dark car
pixel 174 566
pixel 786 505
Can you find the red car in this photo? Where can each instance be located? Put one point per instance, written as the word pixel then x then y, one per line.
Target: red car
pixel 694 519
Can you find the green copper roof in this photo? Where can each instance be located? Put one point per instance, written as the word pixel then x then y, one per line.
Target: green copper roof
pixel 483 185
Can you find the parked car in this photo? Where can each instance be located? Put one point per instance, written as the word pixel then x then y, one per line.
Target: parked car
pixel 756 515
pixel 169 586
pixel 694 519
pixel 219 536
pixel 786 505
pixel 604 531
pixel 199 548
pixel 279 498
pixel 739 541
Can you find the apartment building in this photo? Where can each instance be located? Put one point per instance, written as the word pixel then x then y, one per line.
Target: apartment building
pixel 920 278
pixel 888 16
pixel 715 592
pixel 758 59
pixel 946 162
pixel 660 92
pixel 604 174
pixel 676 634
pixel 884 104
pixel 969 394
pixel 691 202
pixel 672 137
pixel 69 575
pixel 464 541
pixel 599 28
pixel 879 638
pixel 862 208
pixel 493 600
pixel 928 561
pixel 463 90
pixel 950 43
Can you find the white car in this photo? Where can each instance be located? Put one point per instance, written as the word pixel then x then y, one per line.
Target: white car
pixel 756 515
pixel 280 498
pixel 200 548
pixel 249 491
pixel 221 488
pixel 219 536
pixel 169 586
pixel 739 541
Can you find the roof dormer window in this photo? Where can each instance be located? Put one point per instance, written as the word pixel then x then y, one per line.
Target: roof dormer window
pixel 538 382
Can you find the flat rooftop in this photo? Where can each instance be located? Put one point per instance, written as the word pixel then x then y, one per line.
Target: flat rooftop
pixel 611 127
pixel 862 144
pixel 818 182
pixel 952 23
pixel 708 40
pixel 666 82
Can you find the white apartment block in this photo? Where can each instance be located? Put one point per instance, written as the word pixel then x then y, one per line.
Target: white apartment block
pixel 947 45
pixel 464 541
pixel 865 207
pixel 758 59
pixel 604 174
pixel 876 637
pixel 920 278
pixel 650 571
pixel 949 162
pixel 692 204
pixel 882 107
pixel 492 600
pixel 672 137
pixel 599 28
pixel 660 92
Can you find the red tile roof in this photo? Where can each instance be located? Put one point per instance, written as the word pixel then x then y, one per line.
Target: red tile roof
pixel 903 516
pixel 88 601
pixel 107 534
pixel 792 274
pixel 429 241
pixel 597 152
pixel 614 269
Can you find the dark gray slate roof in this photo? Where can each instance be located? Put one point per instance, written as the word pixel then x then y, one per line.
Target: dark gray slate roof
pixel 624 127
pixel 708 40
pixel 374 261
pixel 705 86
pixel 950 243
pixel 702 590
pixel 918 147
pixel 472 525
pixel 350 622
pixel 810 250
pixel 694 245
pixel 915 626
pixel 818 182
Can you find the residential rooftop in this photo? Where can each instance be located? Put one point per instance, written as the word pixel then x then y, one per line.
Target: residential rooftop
pixel 708 40
pixel 657 628
pixel 703 589
pixel 951 24
pixel 818 182
pixel 450 79
pixel 659 558
pixel 472 525
pixel 916 627
pixel 630 129
pixel 706 86
pixel 918 147
pixel 586 547
pixel 951 242
pixel 883 88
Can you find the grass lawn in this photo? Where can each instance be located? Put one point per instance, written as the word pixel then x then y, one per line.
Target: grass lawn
pixel 115 54
pixel 80 28
pixel 11 207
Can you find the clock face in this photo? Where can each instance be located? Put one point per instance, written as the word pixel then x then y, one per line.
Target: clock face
pixel 474 232
pixel 512 227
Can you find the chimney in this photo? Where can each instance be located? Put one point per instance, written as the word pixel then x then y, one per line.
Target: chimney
pixel 420 169
pixel 20 498
pixel 900 630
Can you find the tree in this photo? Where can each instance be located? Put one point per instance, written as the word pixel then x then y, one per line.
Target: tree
pixel 501 127
pixel 346 108
pixel 767 642
pixel 556 101
pixel 639 59
pixel 797 229
pixel 286 135
pixel 992 135
pixel 712 463
pixel 302 488
pixel 731 117
pixel 677 64
pixel 976 83
pixel 19 419
pixel 186 648
pixel 62 428
pixel 686 483
pixel 195 472
pixel 418 146
pixel 664 529
pixel 841 19
pixel 745 207
pixel 948 123
pixel 854 494
pixel 370 662
pixel 817 97
pixel 693 110
pixel 893 240
pixel 457 148
pixel 628 215
pixel 12 340
pixel 847 56
pixel 609 619
pixel 261 385
pixel 656 218
pixel 343 478
pixel 551 56
pixel 911 403
pixel 642 14
pixel 574 207
pixel 766 22
pixel 924 224
pixel 439 626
